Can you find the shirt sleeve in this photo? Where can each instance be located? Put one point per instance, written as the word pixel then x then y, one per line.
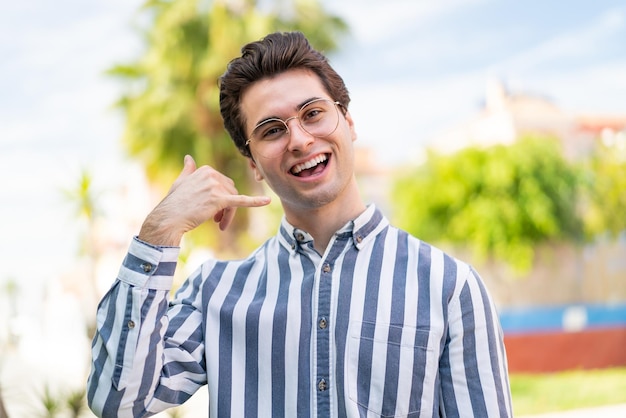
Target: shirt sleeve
pixel 473 366
pixel 147 354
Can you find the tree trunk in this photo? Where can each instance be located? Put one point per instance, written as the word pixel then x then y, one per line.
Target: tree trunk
pixel 3 411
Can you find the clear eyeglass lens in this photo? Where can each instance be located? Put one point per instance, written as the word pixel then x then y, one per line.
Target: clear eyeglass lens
pixel 319 118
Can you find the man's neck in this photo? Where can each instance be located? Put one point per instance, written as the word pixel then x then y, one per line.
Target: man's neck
pixel 323 222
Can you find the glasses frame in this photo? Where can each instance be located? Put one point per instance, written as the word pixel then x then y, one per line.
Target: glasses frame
pixel 288 131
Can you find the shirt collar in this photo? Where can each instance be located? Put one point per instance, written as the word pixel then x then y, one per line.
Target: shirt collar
pixel 362 229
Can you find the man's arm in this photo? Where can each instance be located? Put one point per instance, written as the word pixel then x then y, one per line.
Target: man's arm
pixel 134 347
pixel 473 367
pixel 148 357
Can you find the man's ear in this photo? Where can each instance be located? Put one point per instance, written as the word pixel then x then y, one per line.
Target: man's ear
pixel 350 122
pixel 257 173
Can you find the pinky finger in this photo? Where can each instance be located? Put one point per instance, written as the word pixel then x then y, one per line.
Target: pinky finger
pixel 226 217
pixel 218 216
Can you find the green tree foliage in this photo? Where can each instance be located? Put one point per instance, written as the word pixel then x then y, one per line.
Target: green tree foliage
pixel 85 201
pixel 499 201
pixel 605 191
pixel 171 99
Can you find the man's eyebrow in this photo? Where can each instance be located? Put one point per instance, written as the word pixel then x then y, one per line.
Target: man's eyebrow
pixel 310 99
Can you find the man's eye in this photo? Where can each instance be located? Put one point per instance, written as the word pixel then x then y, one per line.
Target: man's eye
pixel 272 132
pixel 313 114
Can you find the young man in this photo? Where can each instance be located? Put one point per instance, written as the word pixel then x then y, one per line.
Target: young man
pixel 338 315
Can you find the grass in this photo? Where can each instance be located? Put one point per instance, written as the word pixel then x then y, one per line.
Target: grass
pixel 540 393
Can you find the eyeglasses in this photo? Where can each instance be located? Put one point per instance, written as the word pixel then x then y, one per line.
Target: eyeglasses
pixel 319 118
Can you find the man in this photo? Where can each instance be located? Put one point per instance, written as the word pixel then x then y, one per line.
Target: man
pixel 338 315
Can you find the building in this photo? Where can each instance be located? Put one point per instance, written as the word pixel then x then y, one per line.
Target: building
pixel 506 116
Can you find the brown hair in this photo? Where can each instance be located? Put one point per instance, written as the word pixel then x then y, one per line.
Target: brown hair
pixel 274 54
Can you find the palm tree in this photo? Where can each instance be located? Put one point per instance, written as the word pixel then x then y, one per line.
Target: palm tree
pixel 171 100
pixel 84 199
pixel 10 288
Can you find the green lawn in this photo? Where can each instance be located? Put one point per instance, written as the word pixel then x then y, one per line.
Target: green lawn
pixel 539 393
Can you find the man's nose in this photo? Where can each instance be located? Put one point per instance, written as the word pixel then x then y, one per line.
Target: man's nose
pixel 299 139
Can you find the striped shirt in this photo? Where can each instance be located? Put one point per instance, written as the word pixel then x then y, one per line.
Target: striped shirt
pixel 381 324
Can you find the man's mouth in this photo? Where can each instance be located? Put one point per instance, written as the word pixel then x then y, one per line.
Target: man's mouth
pixel 311 167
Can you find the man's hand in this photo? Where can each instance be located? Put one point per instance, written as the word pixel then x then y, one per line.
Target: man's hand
pixel 197 195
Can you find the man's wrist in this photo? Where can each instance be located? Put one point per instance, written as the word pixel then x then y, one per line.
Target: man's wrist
pixel 157 233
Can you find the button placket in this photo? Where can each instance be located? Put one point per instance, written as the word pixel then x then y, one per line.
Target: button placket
pixel 323 329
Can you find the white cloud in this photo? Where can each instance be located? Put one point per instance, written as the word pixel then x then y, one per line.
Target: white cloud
pixel 404 115
pixel 596 89
pixel 581 43
pixel 371 20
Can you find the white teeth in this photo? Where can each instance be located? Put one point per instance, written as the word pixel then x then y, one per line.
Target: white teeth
pixel 309 164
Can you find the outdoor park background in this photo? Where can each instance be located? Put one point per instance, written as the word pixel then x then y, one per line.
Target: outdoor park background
pixel 421 74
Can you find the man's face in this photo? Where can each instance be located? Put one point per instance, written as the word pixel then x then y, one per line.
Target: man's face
pixel 312 171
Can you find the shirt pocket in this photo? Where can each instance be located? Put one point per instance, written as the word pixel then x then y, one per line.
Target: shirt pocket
pixel 391 371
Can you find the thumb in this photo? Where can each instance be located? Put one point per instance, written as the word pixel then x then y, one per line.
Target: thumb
pixel 189 165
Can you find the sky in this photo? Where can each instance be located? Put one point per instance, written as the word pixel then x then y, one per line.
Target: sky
pixel 414 68
pixel 425 65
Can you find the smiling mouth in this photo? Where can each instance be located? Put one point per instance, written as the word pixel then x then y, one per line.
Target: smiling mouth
pixel 311 167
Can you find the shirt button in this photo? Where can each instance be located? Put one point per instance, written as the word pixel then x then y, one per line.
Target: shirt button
pixel 300 236
pixel 323 323
pixel 322 385
pixel 147 267
pixel 131 324
pixel 359 239
pixel 326 268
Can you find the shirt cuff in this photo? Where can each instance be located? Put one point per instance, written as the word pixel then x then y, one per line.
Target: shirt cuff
pixel 148 266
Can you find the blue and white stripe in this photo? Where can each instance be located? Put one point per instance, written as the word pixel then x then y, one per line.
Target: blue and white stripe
pixel 382 324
